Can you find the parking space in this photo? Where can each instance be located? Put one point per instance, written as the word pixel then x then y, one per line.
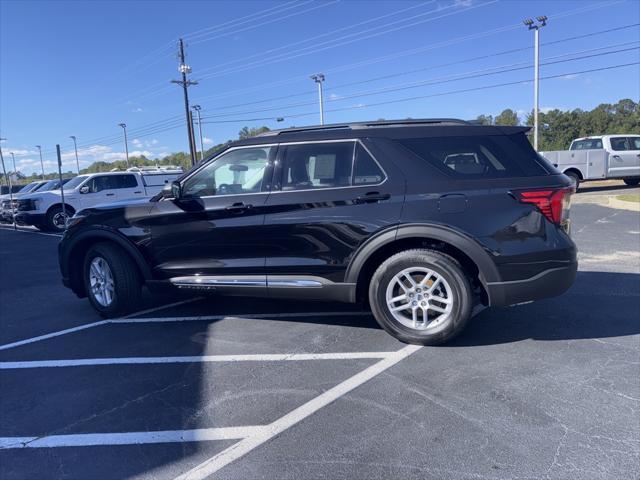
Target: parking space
pixel 239 388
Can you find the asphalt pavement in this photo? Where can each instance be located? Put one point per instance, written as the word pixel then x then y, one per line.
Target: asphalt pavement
pixel 240 388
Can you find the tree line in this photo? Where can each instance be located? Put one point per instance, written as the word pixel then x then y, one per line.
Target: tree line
pixel 557 129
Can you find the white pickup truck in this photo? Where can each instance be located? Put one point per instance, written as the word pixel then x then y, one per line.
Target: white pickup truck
pixel 600 157
pixel 45 211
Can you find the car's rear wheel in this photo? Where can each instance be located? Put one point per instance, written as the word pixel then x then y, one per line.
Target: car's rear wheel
pixel 111 280
pixel 632 182
pixel 575 177
pixel 57 218
pixel 421 296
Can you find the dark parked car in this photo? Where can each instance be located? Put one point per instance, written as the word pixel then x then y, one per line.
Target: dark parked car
pixel 424 220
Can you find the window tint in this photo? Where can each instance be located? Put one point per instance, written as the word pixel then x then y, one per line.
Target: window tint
pixel 317 165
pixel 479 157
pixel 588 144
pixel 619 143
pixel 237 172
pixel 366 171
pixel 127 181
pixel 634 143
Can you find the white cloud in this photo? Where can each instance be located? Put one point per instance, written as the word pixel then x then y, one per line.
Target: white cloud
pixel 137 110
pixel 463 3
pixel 207 141
pixel 548 109
pixel 334 96
pixel 136 143
pixel 570 76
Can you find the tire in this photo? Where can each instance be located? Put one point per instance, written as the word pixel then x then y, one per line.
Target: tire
pixel 453 285
pixel 575 177
pixel 55 220
pixel 125 279
pixel 632 182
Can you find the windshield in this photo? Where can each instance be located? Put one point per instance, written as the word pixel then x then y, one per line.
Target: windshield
pixel 74 182
pixel 45 187
pixel 28 187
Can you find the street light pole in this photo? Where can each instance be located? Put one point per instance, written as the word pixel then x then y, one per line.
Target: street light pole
pixel 542 21
pixel 197 108
pixel 126 144
pixel 75 147
pixel 41 162
pixel 319 79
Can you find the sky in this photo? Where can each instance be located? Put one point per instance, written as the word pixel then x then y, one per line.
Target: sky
pixel 82 67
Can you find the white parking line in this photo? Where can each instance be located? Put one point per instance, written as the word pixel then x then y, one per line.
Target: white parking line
pixel 127 319
pixel 46 336
pixel 269 357
pixel 23 230
pixel 241 448
pixel 130 438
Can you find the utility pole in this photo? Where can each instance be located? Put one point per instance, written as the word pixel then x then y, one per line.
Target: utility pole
pixel 542 21
pixel 126 143
pixel 197 108
pixel 9 183
pixel 41 162
pixel 184 69
pixel 75 147
pixel 319 79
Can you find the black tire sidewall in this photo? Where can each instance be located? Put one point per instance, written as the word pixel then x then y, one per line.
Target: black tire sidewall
pixel 127 285
pixel 442 265
pixel 52 213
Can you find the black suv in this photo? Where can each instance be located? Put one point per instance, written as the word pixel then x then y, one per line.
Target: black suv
pixel 426 220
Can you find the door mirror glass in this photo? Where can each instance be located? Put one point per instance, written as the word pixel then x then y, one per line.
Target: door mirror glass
pixel 176 190
pixel 85 189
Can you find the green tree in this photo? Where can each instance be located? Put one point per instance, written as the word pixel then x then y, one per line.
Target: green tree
pixel 247 132
pixel 507 117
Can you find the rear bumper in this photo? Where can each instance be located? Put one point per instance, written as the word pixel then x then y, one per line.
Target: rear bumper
pixel 549 283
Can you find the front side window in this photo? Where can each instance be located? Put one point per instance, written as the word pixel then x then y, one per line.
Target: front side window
pixel 234 173
pixel 619 144
pixel 317 165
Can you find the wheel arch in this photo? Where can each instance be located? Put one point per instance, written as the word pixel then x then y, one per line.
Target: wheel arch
pixel 473 258
pixel 81 245
pixel 574 170
pixel 59 205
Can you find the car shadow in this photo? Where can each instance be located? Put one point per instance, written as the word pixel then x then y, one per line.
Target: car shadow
pixel 598 305
pixel 585 188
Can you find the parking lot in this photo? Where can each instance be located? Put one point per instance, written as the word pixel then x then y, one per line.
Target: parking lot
pixel 240 388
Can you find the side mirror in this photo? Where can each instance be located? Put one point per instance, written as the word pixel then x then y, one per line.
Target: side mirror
pixel 85 189
pixel 176 190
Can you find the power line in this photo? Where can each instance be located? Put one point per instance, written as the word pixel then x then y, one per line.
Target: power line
pixel 447 79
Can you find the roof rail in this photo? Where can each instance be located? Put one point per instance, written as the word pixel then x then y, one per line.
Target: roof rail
pixel 362 125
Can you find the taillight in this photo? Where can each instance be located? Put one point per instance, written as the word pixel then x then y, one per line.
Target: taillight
pixel 553 203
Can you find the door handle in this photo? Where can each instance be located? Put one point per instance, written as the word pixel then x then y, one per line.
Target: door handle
pixel 138 191
pixel 373 197
pixel 110 194
pixel 239 207
pixel 617 157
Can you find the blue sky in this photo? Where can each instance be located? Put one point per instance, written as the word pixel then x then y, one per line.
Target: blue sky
pixel 80 68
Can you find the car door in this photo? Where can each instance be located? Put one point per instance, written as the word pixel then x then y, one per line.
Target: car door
pixel 623 161
pixel 634 155
pixel 100 190
pixel 214 230
pixel 328 198
pixel 127 186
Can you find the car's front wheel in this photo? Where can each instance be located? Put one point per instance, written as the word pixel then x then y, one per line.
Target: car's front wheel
pixel 111 280
pixel 421 296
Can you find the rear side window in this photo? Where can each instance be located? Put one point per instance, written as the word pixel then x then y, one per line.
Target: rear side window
pixel 619 144
pixel 317 165
pixel 366 171
pixel 479 156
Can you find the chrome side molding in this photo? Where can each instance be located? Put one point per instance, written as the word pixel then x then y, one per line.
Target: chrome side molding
pixel 274 281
